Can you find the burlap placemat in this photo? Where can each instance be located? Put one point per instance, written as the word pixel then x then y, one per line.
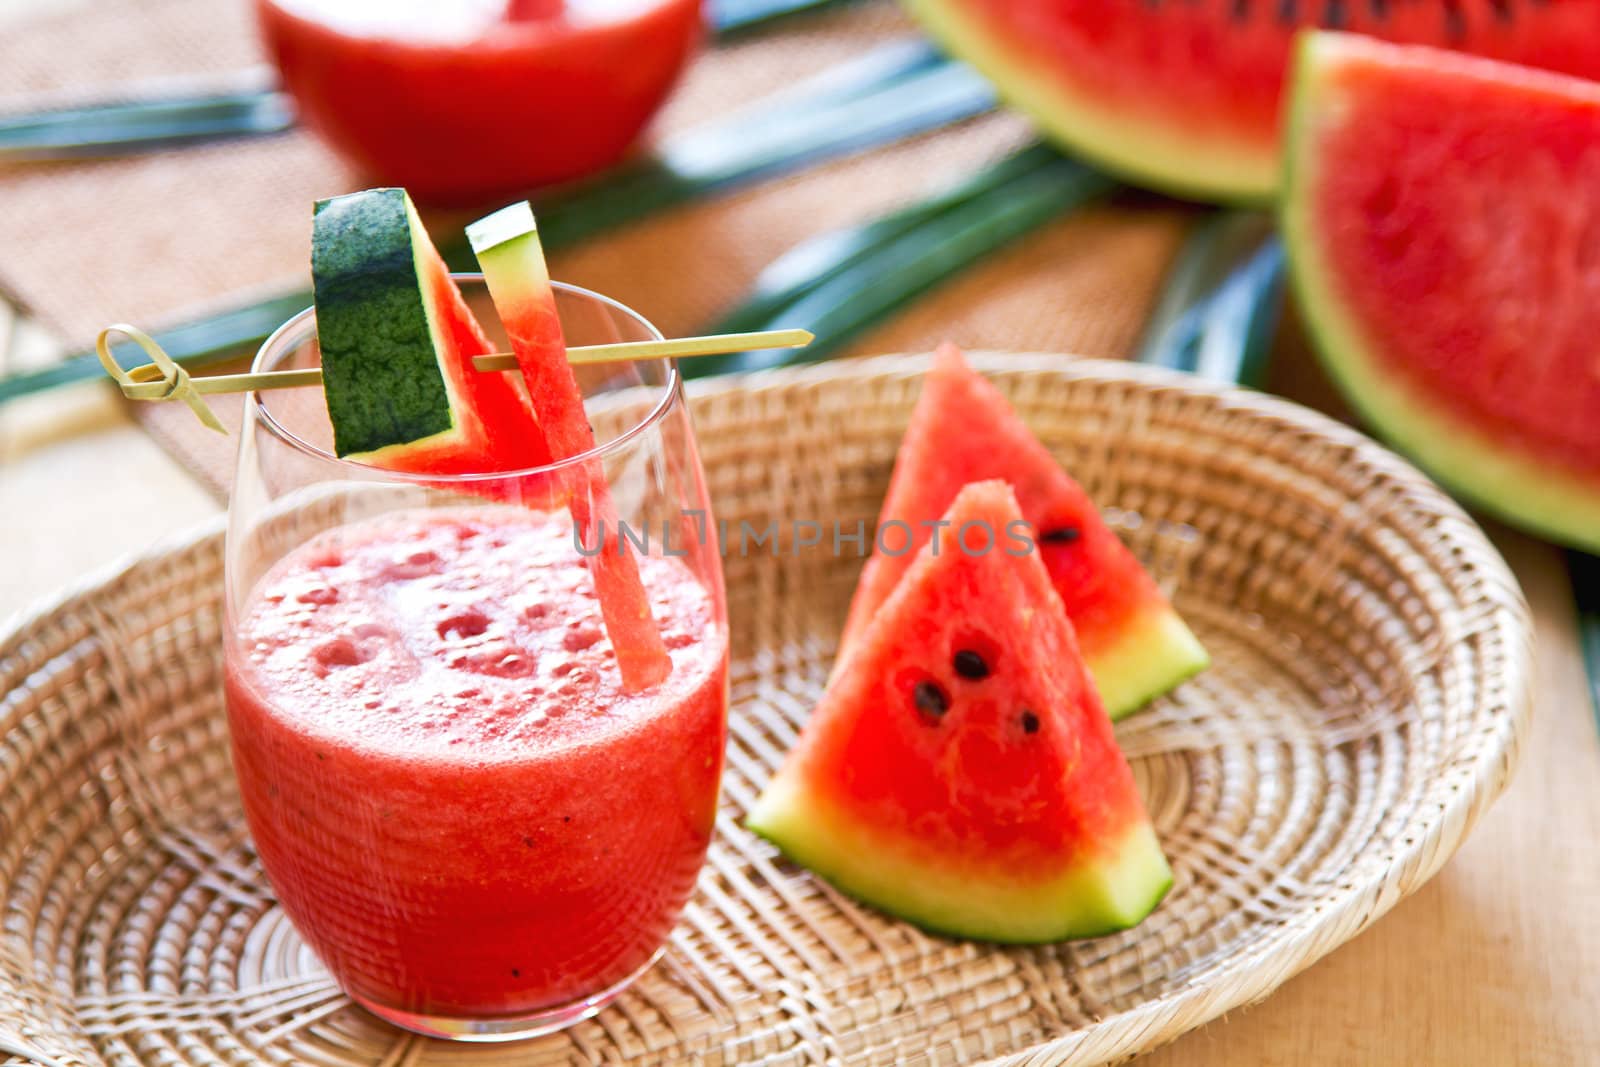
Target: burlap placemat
pixel 158 239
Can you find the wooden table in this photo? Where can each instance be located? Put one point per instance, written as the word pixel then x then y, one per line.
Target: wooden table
pixel 1496 961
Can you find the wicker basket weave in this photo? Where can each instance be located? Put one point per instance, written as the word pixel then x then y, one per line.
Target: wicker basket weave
pixel 1370 685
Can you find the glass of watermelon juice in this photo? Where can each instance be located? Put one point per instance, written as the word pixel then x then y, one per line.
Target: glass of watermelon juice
pixel 469 818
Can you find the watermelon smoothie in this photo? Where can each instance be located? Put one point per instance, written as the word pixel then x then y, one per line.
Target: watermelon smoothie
pixel 456 802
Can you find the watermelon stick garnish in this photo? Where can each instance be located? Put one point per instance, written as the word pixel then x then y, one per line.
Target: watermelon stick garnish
pixel 164 379
pixel 509 253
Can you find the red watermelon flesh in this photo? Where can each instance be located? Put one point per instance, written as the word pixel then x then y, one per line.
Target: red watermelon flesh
pixel 960 771
pixel 962 431
pixel 509 438
pixel 1443 220
pixel 508 250
pixel 1185 96
pixel 499 429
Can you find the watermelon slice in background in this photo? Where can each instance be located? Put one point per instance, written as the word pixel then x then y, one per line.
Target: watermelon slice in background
pixel 960 771
pixel 397 341
pixel 1184 97
pixel 1443 223
pixel 512 260
pixel 962 431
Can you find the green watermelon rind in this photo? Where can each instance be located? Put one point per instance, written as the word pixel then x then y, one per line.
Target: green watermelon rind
pixel 1111 892
pixel 378 329
pixel 1195 166
pixel 1155 637
pixel 1523 490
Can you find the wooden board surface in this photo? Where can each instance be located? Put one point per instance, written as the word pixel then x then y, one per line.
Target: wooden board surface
pixel 1496 961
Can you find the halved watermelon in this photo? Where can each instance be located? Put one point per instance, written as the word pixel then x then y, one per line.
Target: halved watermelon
pixel 397 342
pixel 1185 96
pixel 1443 225
pixel 512 260
pixel 964 431
pixel 960 771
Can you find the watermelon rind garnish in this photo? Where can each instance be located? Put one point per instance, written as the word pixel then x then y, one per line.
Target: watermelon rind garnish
pixel 960 771
pixel 1488 469
pixel 512 259
pixel 379 334
pixel 397 341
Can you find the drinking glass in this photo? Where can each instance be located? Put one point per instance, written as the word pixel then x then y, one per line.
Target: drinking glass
pixel 475 825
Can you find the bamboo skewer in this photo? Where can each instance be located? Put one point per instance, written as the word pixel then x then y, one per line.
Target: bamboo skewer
pixel 164 379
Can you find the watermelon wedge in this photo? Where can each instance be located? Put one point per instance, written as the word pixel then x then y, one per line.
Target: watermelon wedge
pixel 1185 97
pixel 964 431
pixel 1443 225
pixel 509 253
pixel 960 771
pixel 397 342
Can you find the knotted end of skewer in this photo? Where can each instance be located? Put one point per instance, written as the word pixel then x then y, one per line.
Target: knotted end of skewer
pixel 160 379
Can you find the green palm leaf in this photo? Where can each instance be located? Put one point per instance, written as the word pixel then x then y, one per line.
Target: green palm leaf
pixel 1219 307
pixel 142 126
pixel 891 92
pixel 841 284
pixel 1585 572
pixel 735 16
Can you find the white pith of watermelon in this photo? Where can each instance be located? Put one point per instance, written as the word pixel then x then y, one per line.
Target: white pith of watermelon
pixel 962 431
pixel 1465 337
pixel 1184 96
pixel 1010 815
pixel 512 259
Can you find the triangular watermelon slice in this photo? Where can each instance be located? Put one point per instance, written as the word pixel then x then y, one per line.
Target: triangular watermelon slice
pixel 961 771
pixel 964 431
pixel 512 260
pixel 1441 214
pixel 397 341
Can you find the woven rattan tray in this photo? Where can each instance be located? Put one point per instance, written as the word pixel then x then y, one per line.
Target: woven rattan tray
pixel 1370 685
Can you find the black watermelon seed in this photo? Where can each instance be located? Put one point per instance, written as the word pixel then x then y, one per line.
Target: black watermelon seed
pixel 1061 535
pixel 970 664
pixel 1030 723
pixel 930 698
